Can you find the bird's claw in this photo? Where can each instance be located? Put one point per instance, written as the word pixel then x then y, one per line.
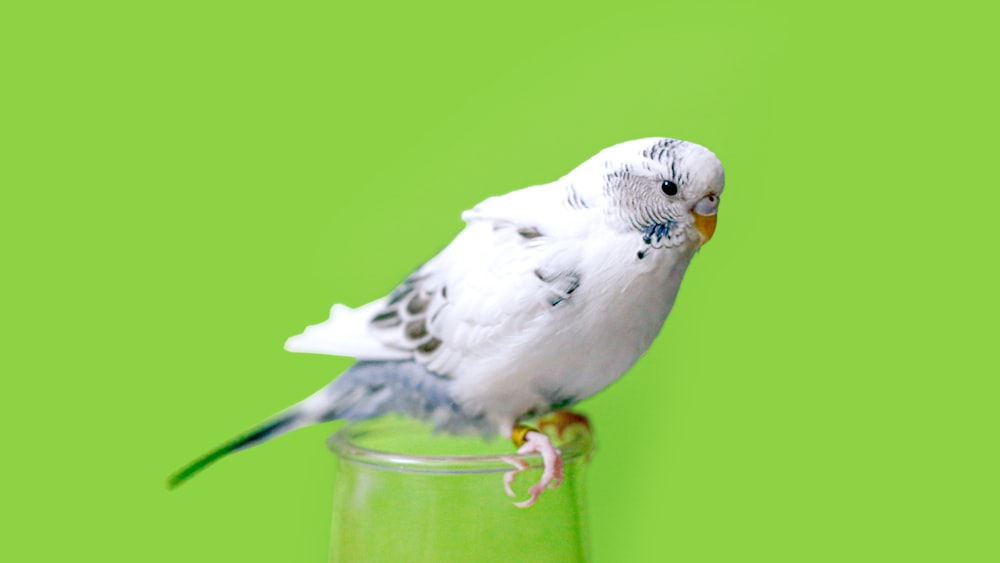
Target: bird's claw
pixel 508 477
pixel 552 472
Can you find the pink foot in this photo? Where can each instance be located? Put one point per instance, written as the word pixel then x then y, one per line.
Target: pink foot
pixel 552 474
pixel 508 477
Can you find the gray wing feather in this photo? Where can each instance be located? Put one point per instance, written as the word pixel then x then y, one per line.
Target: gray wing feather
pixel 407 320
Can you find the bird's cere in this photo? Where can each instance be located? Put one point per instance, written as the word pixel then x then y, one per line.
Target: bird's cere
pixel 705 216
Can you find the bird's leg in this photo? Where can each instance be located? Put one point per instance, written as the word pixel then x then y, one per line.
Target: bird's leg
pixel 552 474
pixel 530 441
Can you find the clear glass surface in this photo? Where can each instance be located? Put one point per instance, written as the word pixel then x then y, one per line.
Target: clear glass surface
pixel 405 494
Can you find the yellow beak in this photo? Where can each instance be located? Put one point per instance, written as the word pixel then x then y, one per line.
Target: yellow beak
pixel 705 225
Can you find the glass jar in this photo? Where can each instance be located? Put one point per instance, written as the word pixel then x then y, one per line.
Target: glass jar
pixel 403 493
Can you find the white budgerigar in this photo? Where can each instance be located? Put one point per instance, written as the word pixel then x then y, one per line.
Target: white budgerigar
pixel 548 295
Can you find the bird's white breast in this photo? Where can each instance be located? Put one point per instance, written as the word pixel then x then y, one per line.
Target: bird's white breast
pixel 572 350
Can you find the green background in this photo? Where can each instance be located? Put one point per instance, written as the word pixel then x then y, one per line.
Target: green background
pixel 185 184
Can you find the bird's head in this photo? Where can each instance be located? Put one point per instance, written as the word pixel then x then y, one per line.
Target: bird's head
pixel 667 189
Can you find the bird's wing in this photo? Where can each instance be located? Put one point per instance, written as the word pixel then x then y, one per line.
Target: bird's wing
pixel 512 264
pixel 345 333
pixel 501 276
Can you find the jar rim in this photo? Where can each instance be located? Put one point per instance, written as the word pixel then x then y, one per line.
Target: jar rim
pixel 344 444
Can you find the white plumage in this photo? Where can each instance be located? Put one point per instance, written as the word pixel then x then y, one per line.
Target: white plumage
pixel 548 295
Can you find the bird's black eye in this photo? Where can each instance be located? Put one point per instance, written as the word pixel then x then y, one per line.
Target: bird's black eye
pixel 669 187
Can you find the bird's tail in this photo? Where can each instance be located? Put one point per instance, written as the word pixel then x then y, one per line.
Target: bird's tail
pixel 365 390
pixel 284 422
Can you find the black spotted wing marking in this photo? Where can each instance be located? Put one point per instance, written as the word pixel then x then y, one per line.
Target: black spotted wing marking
pixel 559 285
pixel 409 313
pixel 528 235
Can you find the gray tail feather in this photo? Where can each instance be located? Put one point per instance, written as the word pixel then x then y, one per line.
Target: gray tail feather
pixel 318 407
pixel 367 389
pixel 275 427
